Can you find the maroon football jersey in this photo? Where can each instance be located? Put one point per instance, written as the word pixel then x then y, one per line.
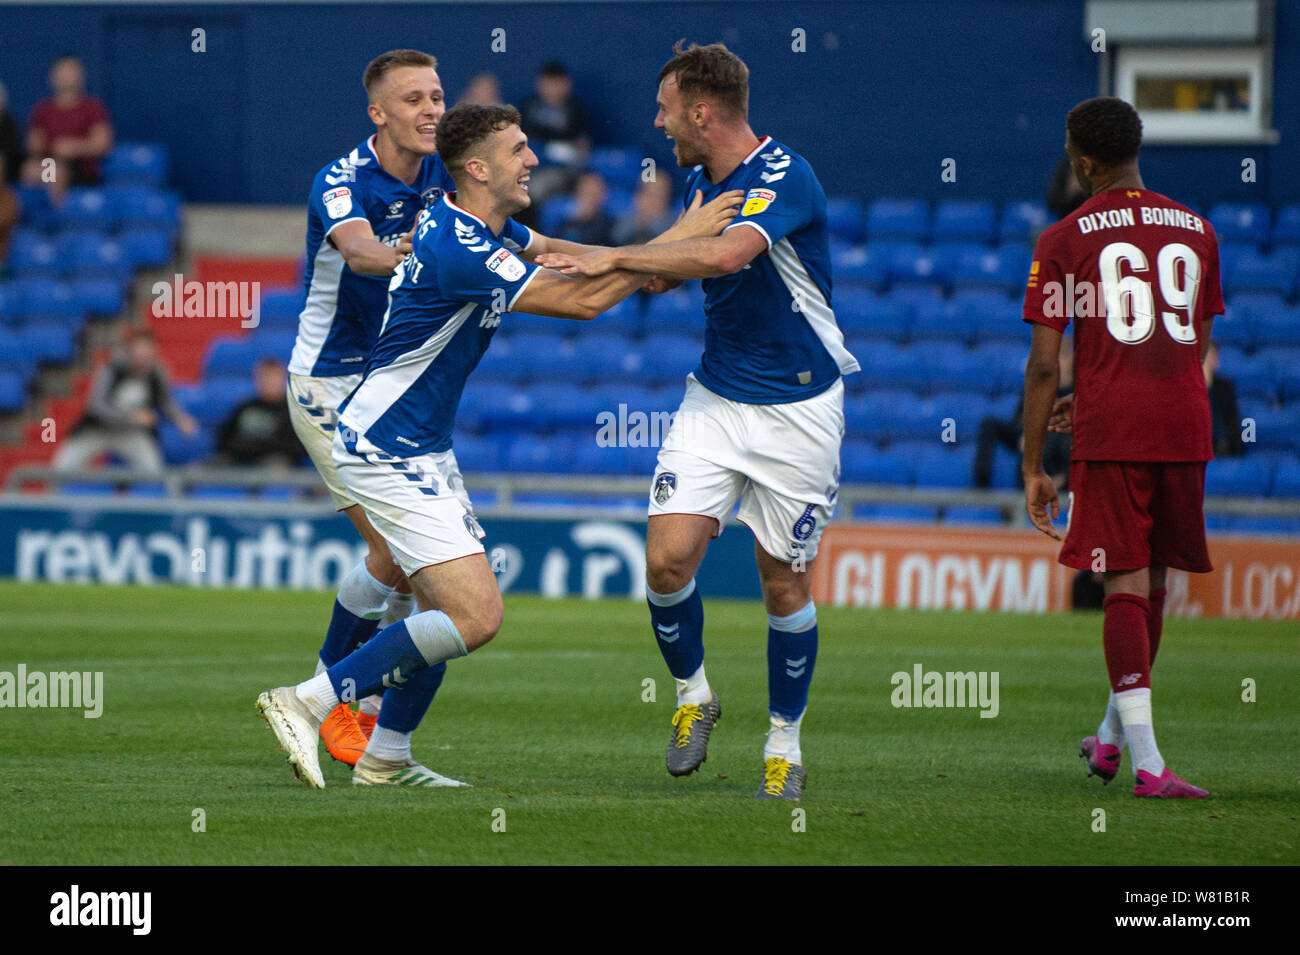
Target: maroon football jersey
pixel 1138 273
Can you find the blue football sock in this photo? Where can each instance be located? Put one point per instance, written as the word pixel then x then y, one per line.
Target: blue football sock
pixel 678 621
pixel 395 654
pixel 791 653
pixel 405 703
pixel 357 609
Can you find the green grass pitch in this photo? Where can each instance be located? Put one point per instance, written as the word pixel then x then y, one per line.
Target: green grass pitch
pixel 549 724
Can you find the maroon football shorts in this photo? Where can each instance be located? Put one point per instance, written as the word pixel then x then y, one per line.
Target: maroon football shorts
pixel 1135 515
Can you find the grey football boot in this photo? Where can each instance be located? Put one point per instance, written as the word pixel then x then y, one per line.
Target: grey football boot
pixel 782 779
pixel 688 747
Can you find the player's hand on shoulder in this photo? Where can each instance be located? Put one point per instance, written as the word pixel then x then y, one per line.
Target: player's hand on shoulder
pixel 1040 496
pixel 1061 419
pixel 704 219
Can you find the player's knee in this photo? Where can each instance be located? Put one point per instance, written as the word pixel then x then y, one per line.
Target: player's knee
pixel 379 561
pixel 664 575
pixel 786 595
pixel 483 624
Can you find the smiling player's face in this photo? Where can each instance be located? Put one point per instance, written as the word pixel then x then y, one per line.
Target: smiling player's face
pixel 673 120
pixel 409 106
pixel 509 167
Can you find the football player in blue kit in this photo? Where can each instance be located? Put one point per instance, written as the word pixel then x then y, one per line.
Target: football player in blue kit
pixel 392 445
pixel 763 416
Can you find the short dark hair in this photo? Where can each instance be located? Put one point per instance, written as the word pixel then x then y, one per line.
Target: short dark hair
pixel 553 68
pixel 1105 129
pixel 712 71
pixel 463 128
pixel 384 63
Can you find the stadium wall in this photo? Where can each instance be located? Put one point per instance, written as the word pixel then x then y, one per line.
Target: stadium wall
pixel 277 546
pixel 886 90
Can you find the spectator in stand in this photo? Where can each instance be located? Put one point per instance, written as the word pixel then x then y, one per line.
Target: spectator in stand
pixel 484 90
pixel 558 130
pixel 126 398
pixel 72 128
pixel 590 224
pixel 651 213
pixel 11 142
pixel 1009 432
pixel 11 211
pixel 259 432
pixel 1225 416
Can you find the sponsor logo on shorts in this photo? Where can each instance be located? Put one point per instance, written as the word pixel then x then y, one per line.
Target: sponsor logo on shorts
pixel 804 527
pixel 475 529
pixel 665 487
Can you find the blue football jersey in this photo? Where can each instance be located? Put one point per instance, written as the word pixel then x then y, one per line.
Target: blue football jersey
pixel 446 301
pixel 341 317
pixel 770 334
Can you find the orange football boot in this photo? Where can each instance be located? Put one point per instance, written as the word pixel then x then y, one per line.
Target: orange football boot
pixel 341 735
pixel 366 722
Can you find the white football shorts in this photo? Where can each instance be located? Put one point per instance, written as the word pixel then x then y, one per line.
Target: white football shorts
pixel 313 409
pixel 418 504
pixel 781 462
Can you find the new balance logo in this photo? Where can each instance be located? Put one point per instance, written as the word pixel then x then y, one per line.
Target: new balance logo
pixel 668 634
pixel 796 668
pixel 1129 679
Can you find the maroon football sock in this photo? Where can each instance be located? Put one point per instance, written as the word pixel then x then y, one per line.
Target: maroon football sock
pixel 1156 622
pixel 1124 635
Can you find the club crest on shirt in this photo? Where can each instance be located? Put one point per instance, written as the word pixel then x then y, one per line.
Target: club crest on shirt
pixel 338 202
pixel 504 264
pixel 431 195
pixel 756 200
pixel 395 209
pixel 665 486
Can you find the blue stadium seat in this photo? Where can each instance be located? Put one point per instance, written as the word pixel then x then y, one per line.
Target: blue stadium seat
pixel 98 296
pixel 588 457
pixel 1255 379
pixel 136 163
pixel 1022 220
pixel 1005 362
pixel 140 207
pixel 1006 468
pixel 906 219
pixel 859 264
pixel 500 361
pixel 670 357
pixel 555 213
pixel 621 168
pixel 480 397
pixel 890 367
pixel 1274 273
pixel 619 202
pixel 1288 382
pixel 476 454
pixel 1277 430
pixel 966 408
pixel 964 220
pixel 33 256
pixel 280 308
pixel 862 463
pixel 13 390
pixel 55 343
pixel 88 208
pixel 516 411
pixel 897 513
pixel 11 305
pixel 625 319
pixel 993 316
pixel 961 370
pixel 942 321
pixel 674 312
pixel 973 515
pixel 218 492
pixel 90 256
pixel 1286 480
pixel 1277 326
pixel 47 300
pixel 232 357
pixel 38 211
pixel 563 405
pixel 528 454
pixel 912 294
pixel 1241 222
pixel 177 448
pixel 946 466
pixel 1286 228
pixel 273 344
pixel 1234 328
pixel 846 219
pixel 146 247
pixel 1237 477
pixel 546 357
pixel 1000 268
pixel 220 396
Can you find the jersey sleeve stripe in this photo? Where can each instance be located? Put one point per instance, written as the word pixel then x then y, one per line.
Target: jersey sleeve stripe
pixel 348 219
pixel 753 225
pixel 527 282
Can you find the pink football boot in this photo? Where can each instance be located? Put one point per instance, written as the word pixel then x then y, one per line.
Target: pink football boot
pixel 1103 758
pixel 1168 786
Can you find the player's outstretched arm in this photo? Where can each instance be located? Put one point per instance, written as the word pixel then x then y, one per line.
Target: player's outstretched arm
pixel 1042 373
pixel 363 252
pixel 691 249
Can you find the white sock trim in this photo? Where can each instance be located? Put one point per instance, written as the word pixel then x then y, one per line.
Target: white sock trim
pixel 318 693
pixel 389 745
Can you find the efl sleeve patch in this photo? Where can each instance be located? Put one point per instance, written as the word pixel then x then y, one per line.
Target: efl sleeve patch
pixel 338 202
pixel 504 263
pixel 756 200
